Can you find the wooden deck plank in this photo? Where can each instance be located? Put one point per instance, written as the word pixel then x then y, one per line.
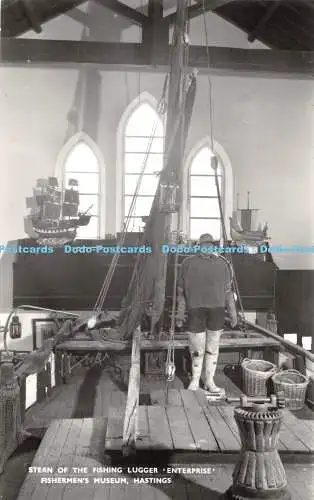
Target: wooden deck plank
pixel 290 441
pixel 105 395
pixel 53 458
pixel 230 387
pixel 180 429
pixel 159 428
pixel 118 492
pixel 31 480
pixel 143 441
pixel 173 398
pixel 130 419
pixel 114 435
pixel 65 453
pixel 299 429
pixel 202 433
pixel 158 397
pixel 66 493
pixel 225 438
pixel 89 452
pixel 148 345
pixel 227 414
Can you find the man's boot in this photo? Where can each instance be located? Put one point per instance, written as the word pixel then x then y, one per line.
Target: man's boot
pixel 197 350
pixel 211 357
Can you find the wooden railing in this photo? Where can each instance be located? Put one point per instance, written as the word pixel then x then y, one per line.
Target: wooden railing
pixel 303 359
pixel 289 346
pixel 43 380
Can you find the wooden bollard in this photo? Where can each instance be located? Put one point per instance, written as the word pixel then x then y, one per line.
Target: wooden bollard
pixel 259 473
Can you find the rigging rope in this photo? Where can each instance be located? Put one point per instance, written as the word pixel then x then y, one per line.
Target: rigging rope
pixel 161 110
pixel 170 363
pixel 215 162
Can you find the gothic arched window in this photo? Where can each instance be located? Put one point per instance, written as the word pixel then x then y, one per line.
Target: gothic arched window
pixel 204 213
pixel 143 137
pixel 82 163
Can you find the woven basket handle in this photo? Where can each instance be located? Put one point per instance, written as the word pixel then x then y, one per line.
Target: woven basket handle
pixel 291 370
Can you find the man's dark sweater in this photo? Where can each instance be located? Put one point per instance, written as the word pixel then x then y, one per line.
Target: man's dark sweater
pixel 205 280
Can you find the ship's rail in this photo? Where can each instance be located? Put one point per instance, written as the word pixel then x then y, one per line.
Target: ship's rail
pixel 289 346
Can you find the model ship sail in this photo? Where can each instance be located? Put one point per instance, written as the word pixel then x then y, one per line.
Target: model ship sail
pixel 244 225
pixel 54 212
pixel 146 292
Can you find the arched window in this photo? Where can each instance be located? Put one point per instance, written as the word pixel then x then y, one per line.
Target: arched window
pixel 80 159
pixel 204 213
pixel 143 137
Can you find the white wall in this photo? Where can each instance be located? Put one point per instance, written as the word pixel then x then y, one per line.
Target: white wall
pixel 266 127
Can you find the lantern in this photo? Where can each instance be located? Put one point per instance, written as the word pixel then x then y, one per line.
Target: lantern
pixel 15 328
pixel 168 198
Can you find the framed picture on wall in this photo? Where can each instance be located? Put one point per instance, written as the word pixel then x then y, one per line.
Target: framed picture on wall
pixel 42 329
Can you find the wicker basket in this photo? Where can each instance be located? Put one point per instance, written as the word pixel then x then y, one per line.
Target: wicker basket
pixel 256 372
pixel 294 385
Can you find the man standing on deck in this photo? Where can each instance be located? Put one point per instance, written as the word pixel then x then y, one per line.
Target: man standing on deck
pixel 205 290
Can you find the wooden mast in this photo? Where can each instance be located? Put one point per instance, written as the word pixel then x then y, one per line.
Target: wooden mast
pixel 147 286
pixel 171 171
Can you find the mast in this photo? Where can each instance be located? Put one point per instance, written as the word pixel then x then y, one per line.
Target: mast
pixel 171 172
pixel 147 286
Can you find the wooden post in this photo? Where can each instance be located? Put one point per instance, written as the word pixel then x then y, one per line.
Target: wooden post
pixel 131 409
pixel 58 364
pixel 48 379
pixel 41 385
pixel 155 29
pixel 23 398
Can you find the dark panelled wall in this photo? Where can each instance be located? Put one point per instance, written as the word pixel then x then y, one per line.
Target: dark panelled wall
pixel 73 281
pixel 295 302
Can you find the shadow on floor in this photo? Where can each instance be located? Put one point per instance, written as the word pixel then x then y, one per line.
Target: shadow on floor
pixel 87 393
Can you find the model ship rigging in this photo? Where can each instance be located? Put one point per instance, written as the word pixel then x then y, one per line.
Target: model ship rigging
pixel 54 217
pixel 243 225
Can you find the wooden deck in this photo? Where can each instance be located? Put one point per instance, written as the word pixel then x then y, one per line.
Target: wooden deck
pixel 186 422
pixel 176 419
pixel 178 426
pixel 79 443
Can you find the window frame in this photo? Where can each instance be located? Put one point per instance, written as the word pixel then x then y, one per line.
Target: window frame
pixel 190 197
pixel 227 185
pixel 60 173
pixel 132 108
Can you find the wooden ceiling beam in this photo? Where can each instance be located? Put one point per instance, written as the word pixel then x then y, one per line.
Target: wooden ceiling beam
pixel 123 10
pixel 200 7
pixel 31 15
pixel 11 26
pixel 135 57
pixel 155 35
pixel 260 26
pixel 79 16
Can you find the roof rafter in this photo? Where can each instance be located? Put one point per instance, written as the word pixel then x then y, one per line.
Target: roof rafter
pixel 32 15
pixel 200 8
pixel 124 10
pixel 135 57
pixel 257 31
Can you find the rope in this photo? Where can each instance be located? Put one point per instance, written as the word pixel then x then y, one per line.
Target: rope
pixel 211 133
pixel 170 363
pixel 106 284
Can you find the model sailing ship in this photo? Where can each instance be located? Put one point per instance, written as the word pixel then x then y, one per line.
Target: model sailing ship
pixel 244 228
pixel 54 217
